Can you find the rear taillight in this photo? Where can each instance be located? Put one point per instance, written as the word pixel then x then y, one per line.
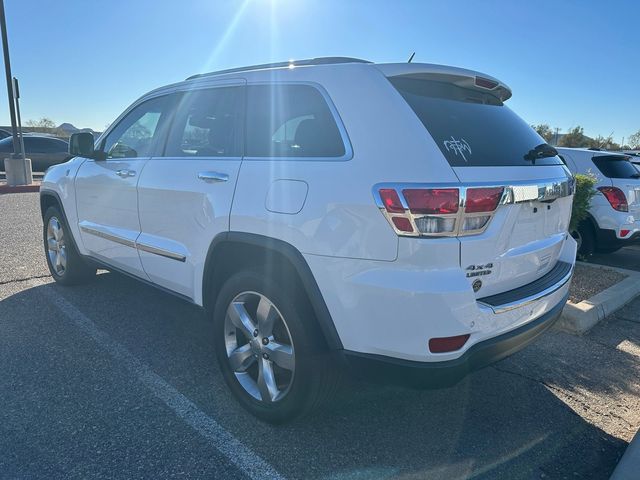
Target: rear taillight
pixel 391 200
pixel 483 199
pixel 438 201
pixel 439 211
pixel 616 198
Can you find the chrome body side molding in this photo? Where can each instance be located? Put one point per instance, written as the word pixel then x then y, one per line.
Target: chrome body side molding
pixel 160 251
pixel 137 245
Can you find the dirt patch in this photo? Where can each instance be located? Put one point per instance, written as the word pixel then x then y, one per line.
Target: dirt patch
pixel 588 281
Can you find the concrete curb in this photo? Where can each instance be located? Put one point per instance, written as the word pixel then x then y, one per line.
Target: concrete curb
pixel 629 466
pixel 4 188
pixel 579 318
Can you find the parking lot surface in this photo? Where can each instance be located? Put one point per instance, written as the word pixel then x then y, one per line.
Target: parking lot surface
pixel 628 258
pixel 115 379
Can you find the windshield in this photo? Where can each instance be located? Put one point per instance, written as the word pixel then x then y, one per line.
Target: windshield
pixel 471 128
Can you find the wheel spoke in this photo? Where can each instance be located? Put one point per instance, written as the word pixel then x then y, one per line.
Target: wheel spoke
pixel 241 319
pixel 267 316
pixel 52 243
pixel 58 262
pixel 241 358
pixel 55 227
pixel 281 355
pixel 62 253
pixel 266 381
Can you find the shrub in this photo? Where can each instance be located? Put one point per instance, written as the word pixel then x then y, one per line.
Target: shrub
pixel 584 191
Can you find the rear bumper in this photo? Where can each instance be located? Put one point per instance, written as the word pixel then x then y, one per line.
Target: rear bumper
pixel 380 368
pixel 608 239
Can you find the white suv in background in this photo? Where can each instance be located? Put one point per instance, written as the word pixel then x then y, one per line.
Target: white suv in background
pixel 395 218
pixel 614 213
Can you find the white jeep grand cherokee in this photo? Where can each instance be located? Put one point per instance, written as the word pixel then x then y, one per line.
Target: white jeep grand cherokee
pixel 397 218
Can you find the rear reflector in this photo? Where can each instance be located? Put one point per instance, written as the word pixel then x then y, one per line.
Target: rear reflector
pixel 483 199
pixel 447 344
pixel 616 198
pixel 440 201
pixel 624 233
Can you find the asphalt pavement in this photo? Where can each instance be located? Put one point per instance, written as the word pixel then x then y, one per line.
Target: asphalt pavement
pixel 628 257
pixel 115 379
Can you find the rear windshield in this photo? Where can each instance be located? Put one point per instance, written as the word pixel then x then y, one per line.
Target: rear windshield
pixel 616 167
pixel 471 128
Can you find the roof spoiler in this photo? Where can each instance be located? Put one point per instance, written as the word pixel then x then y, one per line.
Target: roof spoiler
pixel 458 76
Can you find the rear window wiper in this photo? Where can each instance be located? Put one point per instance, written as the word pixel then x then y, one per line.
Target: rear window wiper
pixel 543 150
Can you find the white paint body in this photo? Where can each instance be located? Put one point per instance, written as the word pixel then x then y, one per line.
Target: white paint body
pixel 386 294
pixel 579 160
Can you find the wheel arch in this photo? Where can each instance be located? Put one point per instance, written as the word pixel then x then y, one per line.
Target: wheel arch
pixel 232 251
pixel 50 198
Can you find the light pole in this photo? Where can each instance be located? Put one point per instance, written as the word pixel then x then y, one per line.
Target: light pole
pixel 17 168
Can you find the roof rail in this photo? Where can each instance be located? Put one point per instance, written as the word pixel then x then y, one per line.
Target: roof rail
pixel 296 63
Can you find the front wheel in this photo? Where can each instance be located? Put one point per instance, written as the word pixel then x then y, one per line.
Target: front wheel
pixel 65 263
pixel 269 348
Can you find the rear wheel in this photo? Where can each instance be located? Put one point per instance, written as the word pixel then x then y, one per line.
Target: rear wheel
pixel 65 263
pixel 269 348
pixel 585 238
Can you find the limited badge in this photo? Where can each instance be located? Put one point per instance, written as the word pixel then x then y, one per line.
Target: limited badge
pixel 477 285
pixel 479 270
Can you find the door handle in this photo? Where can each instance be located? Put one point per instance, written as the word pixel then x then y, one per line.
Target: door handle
pixel 213 177
pixel 125 173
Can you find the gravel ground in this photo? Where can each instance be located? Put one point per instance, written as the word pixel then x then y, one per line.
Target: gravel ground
pixel 591 280
pixel 114 379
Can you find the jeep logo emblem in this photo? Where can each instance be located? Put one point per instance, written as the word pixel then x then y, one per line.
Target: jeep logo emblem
pixel 477 285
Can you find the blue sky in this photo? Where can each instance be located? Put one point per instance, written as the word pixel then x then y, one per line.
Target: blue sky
pixel 568 62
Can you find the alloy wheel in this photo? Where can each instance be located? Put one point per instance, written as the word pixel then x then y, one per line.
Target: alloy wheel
pixel 259 347
pixel 577 236
pixel 56 247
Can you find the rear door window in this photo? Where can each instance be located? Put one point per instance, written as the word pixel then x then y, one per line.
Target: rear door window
pixel 615 167
pixel 290 121
pixel 471 128
pixel 208 124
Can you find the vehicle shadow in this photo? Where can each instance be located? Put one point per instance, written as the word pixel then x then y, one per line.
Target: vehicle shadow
pixel 494 424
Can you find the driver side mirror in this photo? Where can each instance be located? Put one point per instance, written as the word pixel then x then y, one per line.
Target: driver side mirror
pixel 81 145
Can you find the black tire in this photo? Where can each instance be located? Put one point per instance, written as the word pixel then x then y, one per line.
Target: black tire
pixel 586 238
pixel 76 271
pixel 316 375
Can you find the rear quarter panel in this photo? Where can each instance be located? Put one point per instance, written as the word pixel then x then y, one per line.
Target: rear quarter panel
pixel 339 217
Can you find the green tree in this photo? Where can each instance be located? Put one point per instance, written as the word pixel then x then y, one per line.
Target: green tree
pixel 544 131
pixel 605 143
pixel 584 191
pixel 575 138
pixel 44 125
pixel 634 140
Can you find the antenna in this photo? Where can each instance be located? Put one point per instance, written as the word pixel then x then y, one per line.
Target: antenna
pixel 411 57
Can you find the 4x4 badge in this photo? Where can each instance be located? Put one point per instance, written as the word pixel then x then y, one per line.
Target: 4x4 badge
pixel 479 270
